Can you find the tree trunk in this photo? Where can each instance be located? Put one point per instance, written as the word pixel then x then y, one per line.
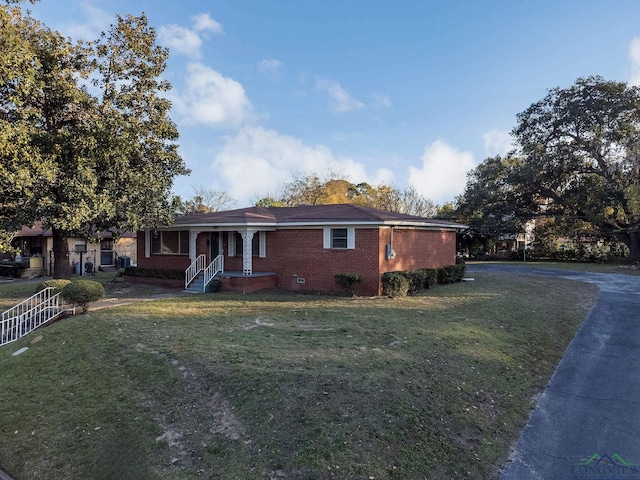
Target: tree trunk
pixel 634 245
pixel 61 265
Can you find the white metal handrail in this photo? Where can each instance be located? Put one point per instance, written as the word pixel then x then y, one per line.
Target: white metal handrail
pixel 212 270
pixel 192 270
pixel 28 315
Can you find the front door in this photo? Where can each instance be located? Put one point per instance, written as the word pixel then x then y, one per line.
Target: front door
pixel 106 252
pixel 216 248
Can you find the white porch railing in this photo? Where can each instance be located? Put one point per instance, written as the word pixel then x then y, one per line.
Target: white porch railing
pixel 208 272
pixel 214 267
pixel 29 315
pixel 194 269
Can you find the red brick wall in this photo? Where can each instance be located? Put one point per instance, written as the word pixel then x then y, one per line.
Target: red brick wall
pixel 299 254
pixel 160 261
pixel 247 284
pixel 417 249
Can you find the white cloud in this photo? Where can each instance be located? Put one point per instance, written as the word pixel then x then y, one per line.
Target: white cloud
pixel 634 58
pixel 380 101
pixel 443 172
pixel 340 100
pixel 188 41
pixel 181 40
pixel 212 99
pixel 204 22
pixel 256 162
pixel 97 22
pixel 270 67
pixel 497 142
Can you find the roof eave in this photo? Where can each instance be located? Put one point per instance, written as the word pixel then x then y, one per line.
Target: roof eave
pixel 322 223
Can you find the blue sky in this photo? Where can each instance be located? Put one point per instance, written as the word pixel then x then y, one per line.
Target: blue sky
pixel 407 93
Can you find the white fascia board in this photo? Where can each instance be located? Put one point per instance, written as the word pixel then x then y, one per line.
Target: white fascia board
pixel 223 226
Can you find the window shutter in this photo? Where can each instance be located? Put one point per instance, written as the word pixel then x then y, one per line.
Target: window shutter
pixel 147 243
pixel 232 244
pixel 326 242
pixel 351 238
pixel 263 244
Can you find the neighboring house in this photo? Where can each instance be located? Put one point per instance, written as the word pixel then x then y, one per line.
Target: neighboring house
pixel 36 249
pixel 301 248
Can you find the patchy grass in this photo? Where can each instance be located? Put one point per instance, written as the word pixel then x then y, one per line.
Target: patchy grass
pixel 267 386
pixel 13 292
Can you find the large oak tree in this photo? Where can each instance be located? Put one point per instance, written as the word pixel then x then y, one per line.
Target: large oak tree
pixel 578 157
pixel 582 152
pixel 86 142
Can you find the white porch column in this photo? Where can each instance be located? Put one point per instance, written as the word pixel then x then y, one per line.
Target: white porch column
pixel 247 250
pixel 193 236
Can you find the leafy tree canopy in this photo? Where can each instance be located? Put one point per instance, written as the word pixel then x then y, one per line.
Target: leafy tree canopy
pixel 84 157
pixel 333 189
pixel 204 200
pixel 578 157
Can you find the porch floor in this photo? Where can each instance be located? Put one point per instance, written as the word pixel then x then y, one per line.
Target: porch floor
pixel 239 274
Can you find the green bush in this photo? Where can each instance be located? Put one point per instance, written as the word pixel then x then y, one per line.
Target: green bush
pixel 445 275
pixel 214 286
pixel 417 280
pixel 57 284
pixel 12 269
pixel 451 274
pixel 394 284
pixel 169 273
pixel 348 281
pixel 431 277
pixel 83 292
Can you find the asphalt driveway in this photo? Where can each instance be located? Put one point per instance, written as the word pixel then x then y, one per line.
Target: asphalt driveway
pixel 586 425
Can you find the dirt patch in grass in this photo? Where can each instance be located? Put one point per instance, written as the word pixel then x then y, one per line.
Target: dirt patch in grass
pixel 193 413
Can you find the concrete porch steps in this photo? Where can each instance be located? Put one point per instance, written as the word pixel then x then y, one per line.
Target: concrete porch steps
pixel 197 285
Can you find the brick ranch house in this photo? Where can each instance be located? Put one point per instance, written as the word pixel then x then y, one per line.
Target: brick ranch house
pixel 299 248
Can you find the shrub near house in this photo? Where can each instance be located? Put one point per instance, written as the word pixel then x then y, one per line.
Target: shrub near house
pixel 82 292
pixel 399 284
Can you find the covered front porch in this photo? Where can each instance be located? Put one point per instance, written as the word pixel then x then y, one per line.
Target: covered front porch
pixel 227 255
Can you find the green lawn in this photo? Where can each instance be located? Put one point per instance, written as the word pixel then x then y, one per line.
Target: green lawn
pixel 311 387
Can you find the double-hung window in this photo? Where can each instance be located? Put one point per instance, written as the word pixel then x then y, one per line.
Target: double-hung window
pixel 339 238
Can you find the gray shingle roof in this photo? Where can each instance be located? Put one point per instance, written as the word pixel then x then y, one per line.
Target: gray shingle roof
pixel 307 215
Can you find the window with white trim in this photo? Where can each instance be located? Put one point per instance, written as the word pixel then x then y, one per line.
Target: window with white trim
pixel 339 238
pixel 170 243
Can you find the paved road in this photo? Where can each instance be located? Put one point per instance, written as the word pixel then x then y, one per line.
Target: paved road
pixel 587 423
